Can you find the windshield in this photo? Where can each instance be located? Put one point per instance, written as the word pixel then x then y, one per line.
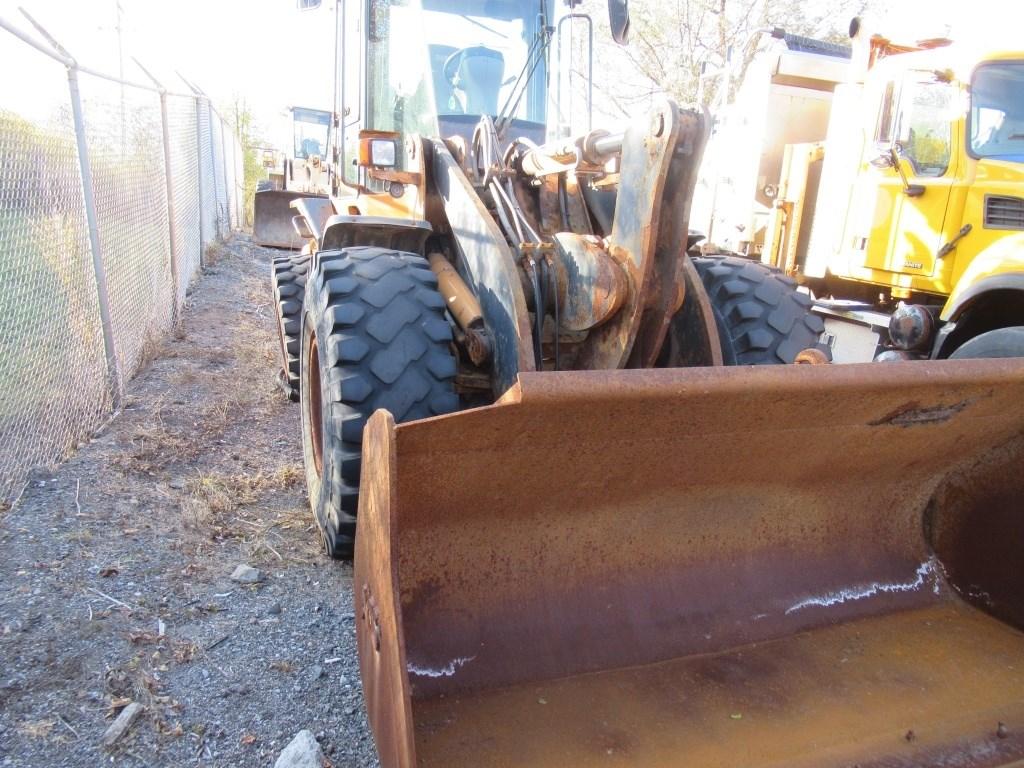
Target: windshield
pixel 997 111
pixel 311 127
pixel 431 58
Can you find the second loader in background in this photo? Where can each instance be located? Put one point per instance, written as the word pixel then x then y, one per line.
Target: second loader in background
pixel 304 170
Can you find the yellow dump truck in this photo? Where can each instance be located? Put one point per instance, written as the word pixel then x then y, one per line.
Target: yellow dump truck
pixel 913 240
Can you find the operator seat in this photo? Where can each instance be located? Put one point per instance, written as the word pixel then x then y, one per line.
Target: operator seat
pixel 478 73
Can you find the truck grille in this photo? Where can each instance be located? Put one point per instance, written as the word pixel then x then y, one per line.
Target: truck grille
pixel 1004 212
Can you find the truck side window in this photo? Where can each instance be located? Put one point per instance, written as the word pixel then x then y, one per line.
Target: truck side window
pixel 924 126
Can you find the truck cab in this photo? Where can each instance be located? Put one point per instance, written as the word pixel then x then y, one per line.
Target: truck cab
pixel 920 209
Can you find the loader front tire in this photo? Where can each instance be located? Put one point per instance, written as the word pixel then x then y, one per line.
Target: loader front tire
pixel 289 282
pixel 374 335
pixel 1002 342
pixel 762 318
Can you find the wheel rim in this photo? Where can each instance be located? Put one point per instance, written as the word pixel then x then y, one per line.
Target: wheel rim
pixel 313 406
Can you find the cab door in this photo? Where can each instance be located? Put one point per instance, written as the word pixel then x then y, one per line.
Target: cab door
pixel 349 94
pixel 913 196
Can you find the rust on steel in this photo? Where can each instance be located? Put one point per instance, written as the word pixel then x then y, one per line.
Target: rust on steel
pixel 647 150
pixel 740 565
pixel 591 286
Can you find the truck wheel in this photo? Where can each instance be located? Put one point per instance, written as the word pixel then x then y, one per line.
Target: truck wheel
pixel 1002 342
pixel 289 281
pixel 762 318
pixel 374 336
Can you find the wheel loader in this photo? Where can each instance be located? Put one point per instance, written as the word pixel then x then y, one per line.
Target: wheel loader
pixel 303 171
pixel 602 519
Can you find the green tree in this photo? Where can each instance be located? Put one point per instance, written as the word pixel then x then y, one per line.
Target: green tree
pixel 252 168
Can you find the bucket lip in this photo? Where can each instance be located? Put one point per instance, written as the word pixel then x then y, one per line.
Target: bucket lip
pixel 987 376
pixel 641 382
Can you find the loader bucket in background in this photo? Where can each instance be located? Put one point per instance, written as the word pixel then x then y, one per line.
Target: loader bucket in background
pixel 802 565
pixel 272 218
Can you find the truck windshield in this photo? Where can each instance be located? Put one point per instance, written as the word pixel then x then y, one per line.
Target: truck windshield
pixel 997 111
pixel 431 58
pixel 311 127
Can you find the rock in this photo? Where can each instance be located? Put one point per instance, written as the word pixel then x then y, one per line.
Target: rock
pixel 120 726
pixel 302 752
pixel 246 574
pixel 274 609
pixel 316 672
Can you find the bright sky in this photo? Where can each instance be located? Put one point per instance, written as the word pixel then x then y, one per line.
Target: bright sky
pixel 272 55
pixel 266 52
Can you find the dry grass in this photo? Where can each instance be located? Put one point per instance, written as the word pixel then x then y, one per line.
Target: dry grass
pixel 214 253
pixel 157 444
pixel 153 346
pixel 222 507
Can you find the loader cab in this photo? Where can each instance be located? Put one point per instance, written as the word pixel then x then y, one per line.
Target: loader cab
pixel 310 132
pixel 434 67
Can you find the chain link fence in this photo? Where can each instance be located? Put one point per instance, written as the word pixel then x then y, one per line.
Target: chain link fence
pixel 110 193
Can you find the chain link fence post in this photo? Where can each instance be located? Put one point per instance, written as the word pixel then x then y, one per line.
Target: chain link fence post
pixel 165 130
pixel 103 296
pixel 203 213
pixel 224 162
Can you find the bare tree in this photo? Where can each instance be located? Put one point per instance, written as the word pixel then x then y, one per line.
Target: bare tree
pixel 672 40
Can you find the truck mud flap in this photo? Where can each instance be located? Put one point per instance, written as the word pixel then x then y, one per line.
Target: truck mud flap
pixel 778 565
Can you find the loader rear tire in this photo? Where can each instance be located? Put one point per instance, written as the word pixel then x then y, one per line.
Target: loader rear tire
pixel 289 281
pixel 762 318
pixel 374 335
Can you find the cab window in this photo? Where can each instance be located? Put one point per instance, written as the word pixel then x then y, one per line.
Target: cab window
pixel 925 127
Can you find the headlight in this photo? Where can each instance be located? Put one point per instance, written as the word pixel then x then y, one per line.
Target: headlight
pixel 379 153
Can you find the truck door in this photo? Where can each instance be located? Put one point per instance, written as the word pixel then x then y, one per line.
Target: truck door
pixel 910 208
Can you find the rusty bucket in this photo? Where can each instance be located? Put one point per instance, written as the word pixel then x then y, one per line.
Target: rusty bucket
pixel 800 566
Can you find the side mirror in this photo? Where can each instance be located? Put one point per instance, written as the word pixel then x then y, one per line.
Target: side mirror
pixel 618 20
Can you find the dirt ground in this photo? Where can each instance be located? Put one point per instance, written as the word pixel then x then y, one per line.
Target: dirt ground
pixel 115 567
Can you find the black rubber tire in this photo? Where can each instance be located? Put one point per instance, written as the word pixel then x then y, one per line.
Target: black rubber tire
pixel 1002 342
pixel 377 322
pixel 762 318
pixel 289 281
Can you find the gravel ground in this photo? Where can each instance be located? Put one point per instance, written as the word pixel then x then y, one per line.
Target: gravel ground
pixel 115 571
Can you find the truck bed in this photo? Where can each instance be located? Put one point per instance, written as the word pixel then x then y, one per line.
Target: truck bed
pixel 928 686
